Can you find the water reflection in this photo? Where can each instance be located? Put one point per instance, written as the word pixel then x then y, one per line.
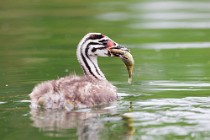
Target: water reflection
pixel 163 15
pixel 53 123
pixel 2 102
pixel 85 122
pixel 181 117
pixel 171 45
pixel 172 15
pixel 177 85
pixel 130 129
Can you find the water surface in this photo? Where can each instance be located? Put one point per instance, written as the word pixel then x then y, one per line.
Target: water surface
pixel 170 94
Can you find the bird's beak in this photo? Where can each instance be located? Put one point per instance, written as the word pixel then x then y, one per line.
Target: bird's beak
pixel 114 46
pixel 117 51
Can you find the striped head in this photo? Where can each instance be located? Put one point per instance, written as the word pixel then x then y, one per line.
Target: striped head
pixel 97 44
pixel 91 46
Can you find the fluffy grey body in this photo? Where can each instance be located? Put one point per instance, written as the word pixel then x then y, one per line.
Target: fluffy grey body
pixel 72 92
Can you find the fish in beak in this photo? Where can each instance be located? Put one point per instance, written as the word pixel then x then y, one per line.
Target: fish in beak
pixel 126 57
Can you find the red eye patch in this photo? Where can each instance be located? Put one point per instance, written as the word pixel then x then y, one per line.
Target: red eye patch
pixel 110 44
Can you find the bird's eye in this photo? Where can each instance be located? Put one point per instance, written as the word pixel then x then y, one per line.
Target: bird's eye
pixel 94 49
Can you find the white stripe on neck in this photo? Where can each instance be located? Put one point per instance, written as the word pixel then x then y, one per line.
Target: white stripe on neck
pixel 88 63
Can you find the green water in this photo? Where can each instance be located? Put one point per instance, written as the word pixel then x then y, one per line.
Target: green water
pixel 170 94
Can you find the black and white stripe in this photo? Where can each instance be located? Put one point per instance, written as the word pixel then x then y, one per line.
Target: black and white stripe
pixel 92 45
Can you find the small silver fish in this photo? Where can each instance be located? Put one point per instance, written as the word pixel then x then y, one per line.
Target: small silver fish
pixel 127 59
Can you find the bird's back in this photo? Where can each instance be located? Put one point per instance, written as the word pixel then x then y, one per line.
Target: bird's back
pixel 72 92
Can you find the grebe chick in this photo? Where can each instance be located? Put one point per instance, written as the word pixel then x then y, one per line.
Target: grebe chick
pixel 72 92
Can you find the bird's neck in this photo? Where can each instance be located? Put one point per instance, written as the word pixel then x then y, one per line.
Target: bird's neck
pixel 89 63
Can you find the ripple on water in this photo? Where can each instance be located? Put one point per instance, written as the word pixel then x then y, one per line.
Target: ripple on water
pixel 172 116
pixel 163 14
pixel 24 101
pixel 172 45
pixel 176 85
pixel 171 15
pixel 171 5
pixel 3 102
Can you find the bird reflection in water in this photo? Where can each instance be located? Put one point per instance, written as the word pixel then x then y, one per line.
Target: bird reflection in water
pixel 129 124
pixel 83 124
pixel 57 123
